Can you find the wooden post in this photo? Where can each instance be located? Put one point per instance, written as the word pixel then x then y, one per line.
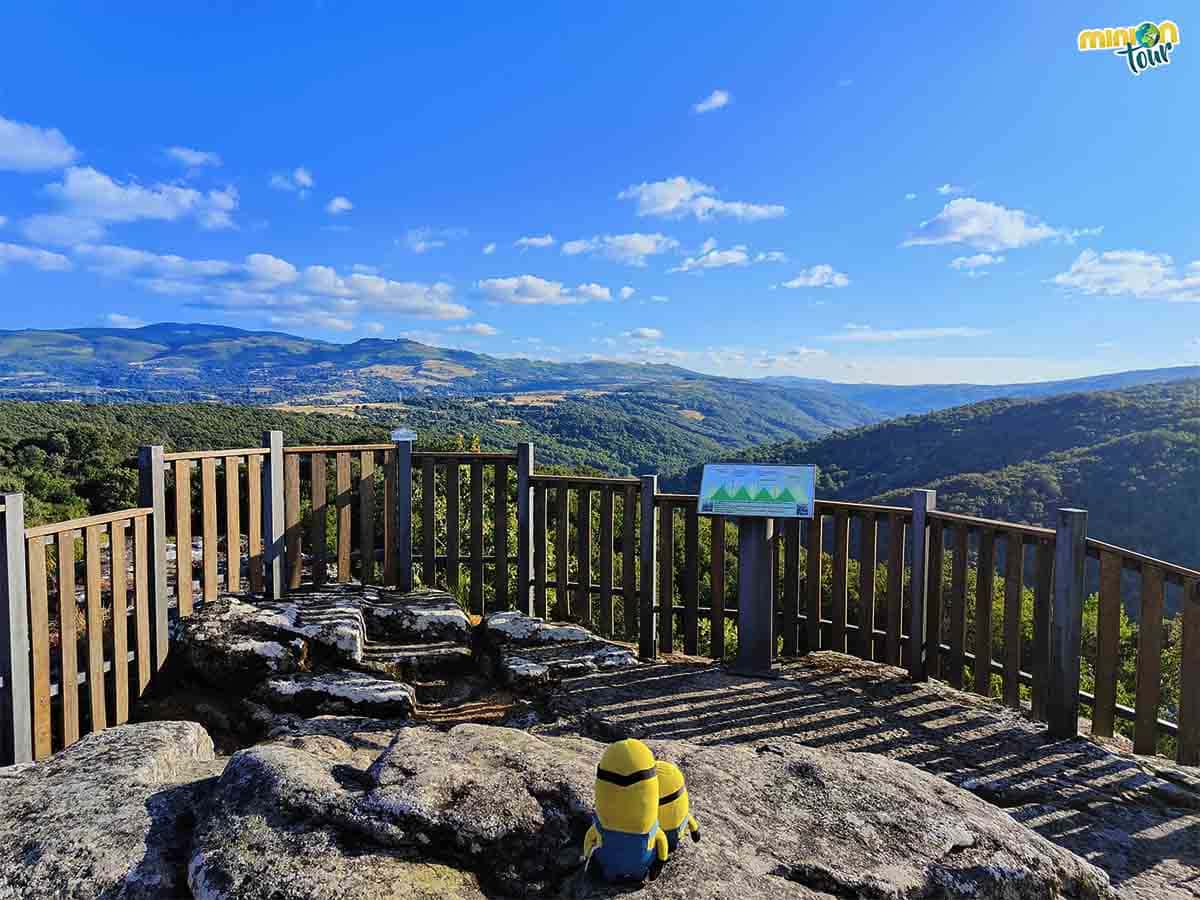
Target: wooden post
pixel 16 727
pixel 524 528
pixel 922 502
pixel 403 506
pixel 152 493
pixel 648 599
pixel 1066 623
pixel 274 551
pixel 756 597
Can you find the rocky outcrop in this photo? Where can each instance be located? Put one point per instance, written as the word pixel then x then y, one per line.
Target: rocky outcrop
pixel 110 816
pixel 340 807
pixel 229 642
pixel 421 617
pixel 530 655
pixel 337 693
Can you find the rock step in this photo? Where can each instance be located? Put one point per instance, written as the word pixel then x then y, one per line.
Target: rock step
pixel 421 661
pixel 341 692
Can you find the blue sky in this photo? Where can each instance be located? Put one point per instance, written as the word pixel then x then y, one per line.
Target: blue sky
pixel 943 193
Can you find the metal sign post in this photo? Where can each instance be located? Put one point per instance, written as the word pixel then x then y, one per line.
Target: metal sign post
pixel 756 496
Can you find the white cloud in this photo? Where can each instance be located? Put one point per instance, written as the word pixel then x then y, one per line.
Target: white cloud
pixel 910 196
pixel 61 230
pixel 374 327
pixel 545 240
pixel 712 258
pixel 28 148
pixel 948 189
pixel 976 261
pixel 193 159
pixel 480 329
pixel 338 205
pixel 425 238
pixel 362 269
pixel 675 198
pixel 1132 273
pixel 845 82
pixel 266 270
pixel 771 256
pixel 982 225
pixel 818 276
pixel 866 334
pixel 489 248
pixel 630 249
pixel 643 334
pixel 120 320
pixel 87 194
pixel 298 181
pixel 311 319
pixel 43 260
pixel 109 259
pixel 716 100
pixel 529 290
pixel 659 298
pixel 627 292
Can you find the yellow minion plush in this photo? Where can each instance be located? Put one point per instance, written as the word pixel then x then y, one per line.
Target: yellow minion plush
pixel 674 814
pixel 624 842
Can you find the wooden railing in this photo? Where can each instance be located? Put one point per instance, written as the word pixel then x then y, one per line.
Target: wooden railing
pixel 901 585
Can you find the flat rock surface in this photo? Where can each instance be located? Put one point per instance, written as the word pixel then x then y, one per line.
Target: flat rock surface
pixel 110 816
pixel 336 807
pixel 418 617
pixel 516 628
pixel 340 692
pixel 1137 818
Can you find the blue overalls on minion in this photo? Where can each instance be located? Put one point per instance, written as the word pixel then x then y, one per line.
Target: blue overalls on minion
pixel 622 856
pixel 624 842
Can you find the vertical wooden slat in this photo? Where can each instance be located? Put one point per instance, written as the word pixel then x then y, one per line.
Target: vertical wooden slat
pixel 366 514
pixel 583 532
pixel 1108 645
pixel 867 555
pixel 254 521
pixel 958 605
pixel 648 580
pixel 233 524
pixel 141 601
pixel 428 522
pixel 629 604
pixel 812 582
pixel 606 561
pixel 1149 662
pixel 1188 739
pixel 933 601
pixel 274 522
pixel 501 528
pixel 404 510
pixel 476 561
pixel 319 525
pixel 342 501
pixel 391 571
pixel 539 549
pixel 68 612
pixel 524 498
pixel 562 550
pixel 183 536
pixel 95 627
pixel 1042 598
pixel 152 494
pixel 39 628
pixel 895 588
pixel 841 557
pixel 1014 576
pixel 691 580
pixel 120 622
pixel 208 505
pixel 716 614
pixel 985 583
pixel 292 518
pixel 452 527
pixel 666 577
pixel 791 587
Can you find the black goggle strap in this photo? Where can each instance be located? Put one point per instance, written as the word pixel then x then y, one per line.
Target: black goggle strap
pixel 625 780
pixel 670 798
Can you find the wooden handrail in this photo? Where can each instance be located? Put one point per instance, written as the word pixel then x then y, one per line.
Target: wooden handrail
pixel 863 507
pixel 126 515
pixel 597 480
pixel 1033 531
pixel 1131 559
pixel 339 448
pixel 193 455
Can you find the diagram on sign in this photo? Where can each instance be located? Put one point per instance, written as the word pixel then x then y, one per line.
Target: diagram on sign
pixel 732 489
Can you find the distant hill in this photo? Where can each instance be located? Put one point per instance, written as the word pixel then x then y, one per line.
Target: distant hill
pixel 1130 457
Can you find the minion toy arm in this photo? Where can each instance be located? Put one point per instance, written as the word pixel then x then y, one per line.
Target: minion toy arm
pixel 661 851
pixel 693 828
pixel 591 841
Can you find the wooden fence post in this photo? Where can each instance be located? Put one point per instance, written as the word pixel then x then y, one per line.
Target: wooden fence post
pixel 648 595
pixel 274 547
pixel 923 501
pixel 524 528
pixel 403 550
pixel 16 726
pixel 1066 623
pixel 152 493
